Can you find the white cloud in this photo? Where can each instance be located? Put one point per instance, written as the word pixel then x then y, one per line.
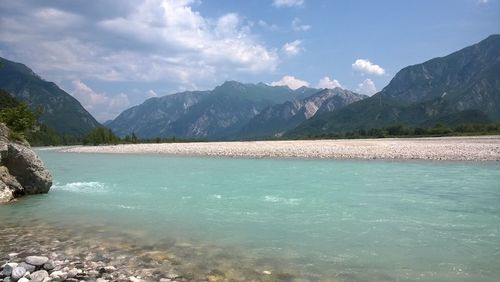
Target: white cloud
pixel 326 82
pixel 367 87
pixel 268 26
pixel 292 48
pixel 297 26
pixel 153 40
pixel 290 81
pixel 365 66
pixel 101 106
pixel 288 3
pixel 151 93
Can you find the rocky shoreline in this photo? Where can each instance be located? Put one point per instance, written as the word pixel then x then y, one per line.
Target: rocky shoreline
pixel 475 148
pixel 99 254
pixel 45 269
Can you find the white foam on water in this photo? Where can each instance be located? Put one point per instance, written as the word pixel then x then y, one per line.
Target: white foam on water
pixel 276 199
pixel 216 196
pixel 81 187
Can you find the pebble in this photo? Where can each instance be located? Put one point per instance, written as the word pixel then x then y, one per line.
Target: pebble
pixel 58 275
pixel 39 276
pixel 73 272
pixel 7 270
pixel 12 255
pixel 18 273
pixel 266 272
pixel 23 279
pixel 36 260
pixel 28 267
pixel 48 266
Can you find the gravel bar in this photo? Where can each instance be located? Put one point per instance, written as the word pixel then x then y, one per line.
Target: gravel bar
pixel 477 148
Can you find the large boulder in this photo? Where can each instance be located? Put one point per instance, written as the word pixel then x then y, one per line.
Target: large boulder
pixel 21 171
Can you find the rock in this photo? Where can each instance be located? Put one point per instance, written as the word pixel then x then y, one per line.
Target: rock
pixel 23 279
pixel 11 255
pixel 101 280
pixel 9 186
pixel 28 169
pixel 17 273
pixel 39 276
pixel 74 272
pixel 7 279
pixel 28 267
pixel 172 275
pixel 133 279
pixel 58 275
pixel 71 280
pixel 7 270
pixel 36 260
pixel 165 280
pixel 48 266
pixel 21 171
pixel 110 269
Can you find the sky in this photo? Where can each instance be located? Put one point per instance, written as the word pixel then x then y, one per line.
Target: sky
pixel 114 54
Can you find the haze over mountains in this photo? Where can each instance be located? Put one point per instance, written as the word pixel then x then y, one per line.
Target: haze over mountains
pixel 463 87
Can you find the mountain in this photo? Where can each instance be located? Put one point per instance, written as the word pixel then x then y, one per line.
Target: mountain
pixel 275 120
pixel 61 111
pixel 462 87
pixel 216 114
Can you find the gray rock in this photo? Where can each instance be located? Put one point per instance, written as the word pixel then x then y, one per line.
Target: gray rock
pixel 9 186
pixel 58 275
pixel 71 280
pixel 36 260
pixel 7 270
pixel 7 279
pixel 28 267
pixel 73 272
pixel 39 276
pixel 17 273
pixel 23 279
pixel 28 169
pixel 21 171
pixel 48 266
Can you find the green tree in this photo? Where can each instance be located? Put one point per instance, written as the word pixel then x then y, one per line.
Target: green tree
pixel 101 135
pixel 19 119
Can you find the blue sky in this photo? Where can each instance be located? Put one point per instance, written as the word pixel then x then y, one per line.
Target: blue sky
pixel 113 54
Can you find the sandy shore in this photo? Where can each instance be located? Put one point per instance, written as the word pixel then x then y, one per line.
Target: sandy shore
pixel 483 148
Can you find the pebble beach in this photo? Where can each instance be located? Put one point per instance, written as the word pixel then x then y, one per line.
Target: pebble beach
pixel 482 148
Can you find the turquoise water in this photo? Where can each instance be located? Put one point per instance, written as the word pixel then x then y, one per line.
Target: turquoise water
pixel 372 220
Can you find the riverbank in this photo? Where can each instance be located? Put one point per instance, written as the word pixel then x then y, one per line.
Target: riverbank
pixel 476 148
pixel 97 254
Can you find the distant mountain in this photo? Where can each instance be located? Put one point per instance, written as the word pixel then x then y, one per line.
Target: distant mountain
pixel 275 120
pixel 462 87
pixel 61 111
pixel 216 114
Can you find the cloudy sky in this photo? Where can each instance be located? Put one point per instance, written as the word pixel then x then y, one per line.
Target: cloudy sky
pixel 113 54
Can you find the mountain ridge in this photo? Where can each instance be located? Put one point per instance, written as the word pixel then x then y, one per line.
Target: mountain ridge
pixel 61 111
pixel 434 91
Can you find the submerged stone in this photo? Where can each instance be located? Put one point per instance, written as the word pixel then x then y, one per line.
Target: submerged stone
pixel 36 260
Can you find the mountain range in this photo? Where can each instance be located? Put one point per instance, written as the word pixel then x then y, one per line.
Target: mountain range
pixel 61 111
pixel 463 87
pixel 232 110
